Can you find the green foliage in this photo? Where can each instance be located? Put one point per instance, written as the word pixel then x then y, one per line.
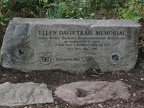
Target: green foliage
pixel 134 10
pixel 1 15
pixel 3 19
pixel 5 3
pixel 71 9
pixel 45 1
pixel 108 4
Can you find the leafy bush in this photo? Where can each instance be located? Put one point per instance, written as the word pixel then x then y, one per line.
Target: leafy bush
pixel 71 9
pixel 108 4
pixel 134 10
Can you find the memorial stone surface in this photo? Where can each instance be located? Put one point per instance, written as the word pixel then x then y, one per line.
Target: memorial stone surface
pixel 70 44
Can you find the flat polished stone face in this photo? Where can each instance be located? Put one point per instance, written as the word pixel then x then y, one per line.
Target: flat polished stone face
pixel 70 45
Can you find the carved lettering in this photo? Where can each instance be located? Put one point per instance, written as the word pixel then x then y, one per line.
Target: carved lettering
pixel 82 40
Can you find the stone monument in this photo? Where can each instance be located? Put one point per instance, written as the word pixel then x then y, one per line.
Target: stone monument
pixel 70 44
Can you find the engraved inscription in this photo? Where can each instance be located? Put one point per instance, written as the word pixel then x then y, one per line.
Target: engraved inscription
pixel 83 40
pixel 68 59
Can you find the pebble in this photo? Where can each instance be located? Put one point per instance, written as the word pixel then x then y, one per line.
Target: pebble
pixel 56 103
pixel 142 65
pixel 26 75
pixel 100 105
pixel 134 94
pixel 118 105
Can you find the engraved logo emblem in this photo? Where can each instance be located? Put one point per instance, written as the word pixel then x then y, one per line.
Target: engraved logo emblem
pixel 45 58
pixel 22 52
pixel 115 58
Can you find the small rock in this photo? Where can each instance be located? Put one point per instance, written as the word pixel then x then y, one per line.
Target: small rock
pixel 56 103
pixel 26 75
pixel 134 94
pixel 139 96
pixel 142 65
pixel 100 105
pixel 118 105
pixel 24 94
pixel 84 93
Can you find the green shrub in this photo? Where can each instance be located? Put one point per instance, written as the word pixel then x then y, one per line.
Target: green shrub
pixel 108 4
pixel 134 10
pixel 71 9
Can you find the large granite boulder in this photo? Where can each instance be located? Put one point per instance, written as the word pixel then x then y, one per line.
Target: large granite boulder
pixel 71 45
